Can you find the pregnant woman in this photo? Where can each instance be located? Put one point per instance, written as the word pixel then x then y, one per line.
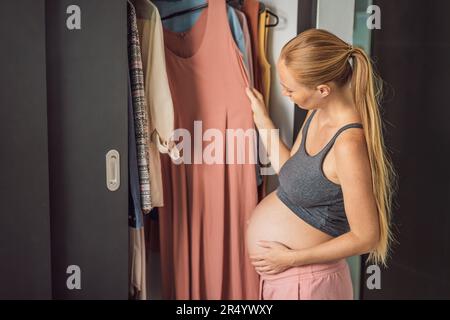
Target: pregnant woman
pixel 335 189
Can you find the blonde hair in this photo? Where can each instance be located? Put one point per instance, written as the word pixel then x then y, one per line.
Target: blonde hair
pixel 317 57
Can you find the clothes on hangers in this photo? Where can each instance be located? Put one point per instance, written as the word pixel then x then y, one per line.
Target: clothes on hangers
pixel 139 109
pixel 251 8
pixel 157 93
pixel 137 249
pixel 137 263
pixel 238 33
pixel 250 72
pixel 134 197
pixel 183 23
pixel 207 206
pixel 265 79
pixel 251 11
pixel 138 158
pixel 247 44
pixel 264 19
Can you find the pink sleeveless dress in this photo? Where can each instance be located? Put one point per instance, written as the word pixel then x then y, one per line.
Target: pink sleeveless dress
pixel 204 218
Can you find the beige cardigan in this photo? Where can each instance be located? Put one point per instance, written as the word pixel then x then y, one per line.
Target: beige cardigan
pixel 157 92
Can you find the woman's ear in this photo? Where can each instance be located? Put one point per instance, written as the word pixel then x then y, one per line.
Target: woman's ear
pixel 324 90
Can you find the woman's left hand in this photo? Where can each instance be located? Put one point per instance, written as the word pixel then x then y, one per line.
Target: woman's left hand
pixel 274 258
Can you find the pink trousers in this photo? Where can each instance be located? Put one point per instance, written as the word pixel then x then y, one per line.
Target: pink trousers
pixel 328 281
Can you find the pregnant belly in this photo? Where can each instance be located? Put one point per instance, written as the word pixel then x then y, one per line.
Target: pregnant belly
pixel 273 221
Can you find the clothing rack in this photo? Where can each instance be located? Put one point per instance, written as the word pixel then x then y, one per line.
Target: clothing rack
pixel 234 3
pixel 199 7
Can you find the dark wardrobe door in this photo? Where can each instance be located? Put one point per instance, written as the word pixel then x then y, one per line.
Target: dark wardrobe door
pixel 412 51
pixel 87 73
pixel 24 197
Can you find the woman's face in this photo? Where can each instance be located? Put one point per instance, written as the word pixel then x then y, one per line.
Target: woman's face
pixel 306 98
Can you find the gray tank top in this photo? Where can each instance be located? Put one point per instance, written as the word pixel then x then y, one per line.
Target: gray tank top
pixel 308 193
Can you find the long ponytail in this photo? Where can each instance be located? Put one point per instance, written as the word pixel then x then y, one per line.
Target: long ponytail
pixel 367 88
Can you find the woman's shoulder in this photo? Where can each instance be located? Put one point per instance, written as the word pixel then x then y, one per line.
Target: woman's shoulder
pixel 350 141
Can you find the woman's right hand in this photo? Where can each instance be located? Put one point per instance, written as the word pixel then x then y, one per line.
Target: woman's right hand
pixel 260 114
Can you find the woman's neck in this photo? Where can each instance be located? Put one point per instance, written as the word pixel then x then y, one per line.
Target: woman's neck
pixel 338 108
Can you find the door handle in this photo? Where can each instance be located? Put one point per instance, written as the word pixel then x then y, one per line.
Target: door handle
pixel 112 170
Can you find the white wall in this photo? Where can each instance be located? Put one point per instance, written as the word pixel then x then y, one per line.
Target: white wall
pixel 281 108
pixel 337 17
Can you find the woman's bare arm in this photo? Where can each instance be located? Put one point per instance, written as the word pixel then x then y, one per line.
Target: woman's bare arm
pixel 268 132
